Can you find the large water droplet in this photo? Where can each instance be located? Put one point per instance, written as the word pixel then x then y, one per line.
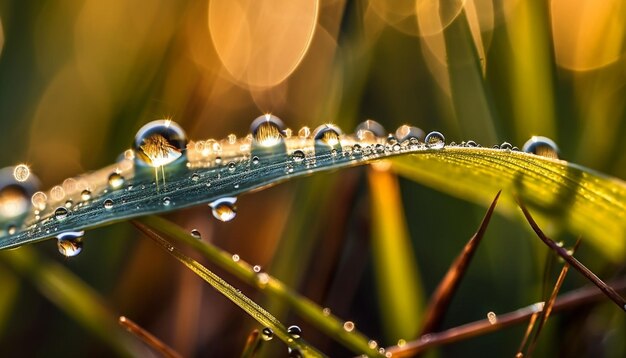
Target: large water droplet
pixel 506 146
pixel 116 180
pixel 348 326
pixel 298 156
pixel 13 201
pixel 70 243
pixel 327 139
pixel 294 331
pixel 370 129
pixel 85 195
pixel 405 132
pixel 435 140
pixel 266 130
pixel 39 200
pixel 60 213
pixel 267 334
pixel 160 143
pixel 224 209
pixel 542 146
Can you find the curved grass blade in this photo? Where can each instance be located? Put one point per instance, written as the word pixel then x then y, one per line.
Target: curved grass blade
pixel 250 307
pixel 307 309
pixel 148 338
pixel 584 201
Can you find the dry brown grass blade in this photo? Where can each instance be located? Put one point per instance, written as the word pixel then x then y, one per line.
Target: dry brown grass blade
pixel 545 314
pixel 445 291
pixel 529 329
pixel 253 343
pixel 608 291
pixel 569 300
pixel 148 338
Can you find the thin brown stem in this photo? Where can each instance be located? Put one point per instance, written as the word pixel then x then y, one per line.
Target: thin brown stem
pixel 608 291
pixel 253 343
pixel 529 329
pixel 440 300
pixel 569 300
pixel 148 338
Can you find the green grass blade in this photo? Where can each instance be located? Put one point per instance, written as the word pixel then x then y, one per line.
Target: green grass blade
pixel 307 309
pixel 579 199
pixel 72 296
pixel 230 292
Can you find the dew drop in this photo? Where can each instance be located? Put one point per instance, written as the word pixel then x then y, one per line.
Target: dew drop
pixel 70 243
pixel 294 353
pixel 266 130
pixel 167 201
pixel 435 140
pixel 298 156
pixel 267 334
pixel 160 143
pixel 21 173
pixel 492 318
pixel 372 344
pixel 224 209
pixel 304 133
pixel 85 195
pixel 69 203
pixel 326 311
pixel 60 213
pixel 255 160
pixel 232 139
pixel 196 234
pixel 235 258
pixel 348 326
pixel 405 132
pixel 506 146
pixel 294 331
pixel 369 130
pixel 195 177
pixel 471 144
pixel 327 134
pixel 108 204
pixel 232 166
pixel 542 146
pixel 57 192
pixel 401 342
pixel 116 180
pixel 11 229
pixel 256 268
pixel 14 201
pixel 262 279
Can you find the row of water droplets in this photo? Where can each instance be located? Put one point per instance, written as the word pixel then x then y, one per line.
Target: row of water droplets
pixel 163 143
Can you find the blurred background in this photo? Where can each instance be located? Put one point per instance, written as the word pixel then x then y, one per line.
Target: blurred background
pixel 79 77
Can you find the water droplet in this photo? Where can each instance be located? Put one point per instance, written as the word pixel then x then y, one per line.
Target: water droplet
pixel 69 203
pixel 262 279
pixel 542 146
pixel 327 134
pixel 85 195
pixel 235 258
pixel 116 180
pixel 304 133
pixel 405 132
pixel 21 173
pixel 326 311
pixel 372 344
pixel 266 130
pixel 435 140
pixel 506 146
pixel 231 138
pixel 256 268
pixel 39 200
pixel 379 148
pixel 255 160
pixel 401 342
pixel 60 213
pixel 167 201
pixel 57 192
pixel 70 243
pixel 160 143
pixel 108 204
pixel 224 209
pixel 294 353
pixel 11 229
pixel 491 316
pixel 348 326
pixel 218 160
pixel 195 177
pixel 471 143
pixel 232 166
pixel 267 334
pixel 294 331
pixel 369 130
pixel 196 234
pixel 298 156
